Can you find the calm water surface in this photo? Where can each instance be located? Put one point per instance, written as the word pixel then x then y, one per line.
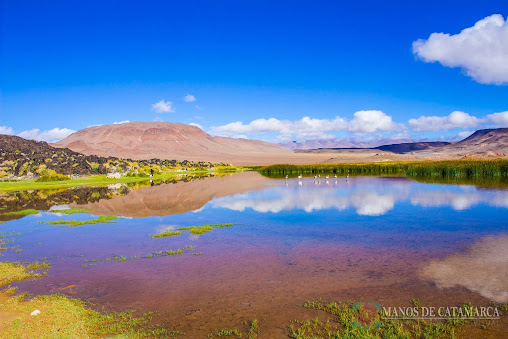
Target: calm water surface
pixel 379 239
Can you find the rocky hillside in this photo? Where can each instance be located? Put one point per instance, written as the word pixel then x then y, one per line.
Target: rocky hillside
pixel 21 158
pixel 482 143
pixel 164 140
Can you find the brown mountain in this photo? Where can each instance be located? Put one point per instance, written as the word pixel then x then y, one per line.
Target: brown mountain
pixel 164 140
pixel 482 143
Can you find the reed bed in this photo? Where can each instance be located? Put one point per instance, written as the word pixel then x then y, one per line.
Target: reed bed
pixel 457 169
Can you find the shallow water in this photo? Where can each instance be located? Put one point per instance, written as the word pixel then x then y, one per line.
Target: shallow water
pixel 380 239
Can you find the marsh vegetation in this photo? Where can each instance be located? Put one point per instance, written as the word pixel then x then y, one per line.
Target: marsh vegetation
pixel 450 169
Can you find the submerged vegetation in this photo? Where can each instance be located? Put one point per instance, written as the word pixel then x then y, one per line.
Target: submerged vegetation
pixel 103 219
pixel 470 168
pixel 122 258
pixel 203 229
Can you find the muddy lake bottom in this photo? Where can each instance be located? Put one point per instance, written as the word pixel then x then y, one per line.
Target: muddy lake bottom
pixel 370 239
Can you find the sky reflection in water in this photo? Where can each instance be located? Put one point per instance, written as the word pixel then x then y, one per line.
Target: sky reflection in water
pixel 349 239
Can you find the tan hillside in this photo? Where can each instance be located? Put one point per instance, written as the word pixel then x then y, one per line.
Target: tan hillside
pixel 164 140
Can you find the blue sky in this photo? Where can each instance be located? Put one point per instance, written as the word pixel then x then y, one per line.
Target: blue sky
pixel 67 65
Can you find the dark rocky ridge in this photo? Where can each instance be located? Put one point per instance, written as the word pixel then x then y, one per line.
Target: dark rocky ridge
pixel 26 158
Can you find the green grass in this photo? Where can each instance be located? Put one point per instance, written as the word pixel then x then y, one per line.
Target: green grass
pixel 203 229
pixel 71 211
pixel 102 180
pixel 168 233
pixel 23 212
pixel 103 219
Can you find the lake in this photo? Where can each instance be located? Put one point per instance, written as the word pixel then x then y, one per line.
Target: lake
pixel 375 239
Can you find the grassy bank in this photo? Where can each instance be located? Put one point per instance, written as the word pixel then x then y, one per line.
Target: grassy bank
pixel 102 180
pixel 59 316
pixel 474 168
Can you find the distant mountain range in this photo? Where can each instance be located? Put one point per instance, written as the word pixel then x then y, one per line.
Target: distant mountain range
pixel 485 142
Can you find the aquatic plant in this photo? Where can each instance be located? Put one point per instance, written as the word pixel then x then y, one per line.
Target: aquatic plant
pixel 23 212
pixel 346 323
pixel 252 332
pixel 122 258
pixel 71 211
pixel 103 219
pixel 203 229
pixel 17 271
pixel 168 233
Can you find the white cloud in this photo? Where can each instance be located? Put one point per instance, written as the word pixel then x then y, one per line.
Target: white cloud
pixel 310 128
pixel 456 119
pixel 51 135
pixel 299 129
pixel 6 130
pixel 372 121
pixel 189 98
pixel 197 125
pixel 121 122
pixel 499 119
pixel 481 51
pixel 163 107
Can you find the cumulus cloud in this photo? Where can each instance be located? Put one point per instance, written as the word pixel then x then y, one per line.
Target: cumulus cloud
pixel 51 135
pixel 371 121
pixel 499 119
pixel 121 122
pixel 163 107
pixel 310 128
pixel 481 51
pixel 304 128
pixel 456 119
pixel 197 125
pixel 189 98
pixel 6 130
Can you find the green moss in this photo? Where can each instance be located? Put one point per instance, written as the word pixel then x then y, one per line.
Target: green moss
pixel 23 212
pixel 71 211
pixel 167 233
pixel 103 219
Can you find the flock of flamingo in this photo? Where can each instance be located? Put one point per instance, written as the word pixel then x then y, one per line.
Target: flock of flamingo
pixel 316 179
